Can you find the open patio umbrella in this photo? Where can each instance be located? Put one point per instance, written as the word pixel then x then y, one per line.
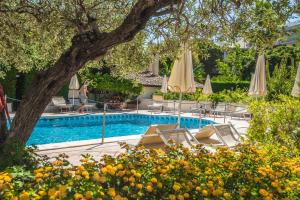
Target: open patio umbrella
pixel 182 78
pixel 154 65
pixel 73 88
pixel 258 85
pixel 296 88
pixel 164 85
pixel 207 90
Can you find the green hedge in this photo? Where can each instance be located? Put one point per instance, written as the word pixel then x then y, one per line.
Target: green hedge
pixel 219 86
pixel 9 84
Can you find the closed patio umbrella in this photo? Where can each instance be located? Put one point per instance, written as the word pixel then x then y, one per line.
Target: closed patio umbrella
pixel 258 85
pixel 154 65
pixel 182 78
pixel 296 88
pixel 207 90
pixel 74 87
pixel 164 86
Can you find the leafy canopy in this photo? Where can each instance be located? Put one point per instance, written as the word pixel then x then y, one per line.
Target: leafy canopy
pixel 35 33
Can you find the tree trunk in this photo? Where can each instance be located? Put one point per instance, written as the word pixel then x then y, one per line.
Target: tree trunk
pixel 85 47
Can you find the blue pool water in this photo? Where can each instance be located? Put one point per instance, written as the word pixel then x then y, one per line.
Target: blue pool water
pixel 73 128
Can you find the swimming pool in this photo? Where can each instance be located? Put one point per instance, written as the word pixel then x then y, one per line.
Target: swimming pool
pixel 85 127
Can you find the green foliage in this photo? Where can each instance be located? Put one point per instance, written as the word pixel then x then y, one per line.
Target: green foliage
pixel 9 83
pixel 276 122
pixel 229 96
pixel 245 172
pixel 219 86
pixel 15 154
pixel 266 14
pixel 106 82
pixel 237 65
pixel 289 55
pixel 281 82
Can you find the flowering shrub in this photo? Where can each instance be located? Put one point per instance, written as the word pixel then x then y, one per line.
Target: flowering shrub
pixel 276 122
pixel 175 173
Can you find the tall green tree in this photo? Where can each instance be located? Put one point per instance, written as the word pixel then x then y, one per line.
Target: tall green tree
pixel 60 37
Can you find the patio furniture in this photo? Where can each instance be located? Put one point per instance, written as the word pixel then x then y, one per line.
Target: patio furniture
pixel 60 103
pixel 227 134
pixel 239 111
pixel 155 107
pixel 220 108
pixel 151 137
pixel 203 107
pixel 179 136
pixel 207 106
pixel 205 132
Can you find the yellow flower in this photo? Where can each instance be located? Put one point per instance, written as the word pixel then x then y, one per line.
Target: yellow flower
pixel 275 184
pixel 139 186
pixel 149 188
pixel 132 179
pixel 85 173
pixel 48 169
pixel 153 180
pixel 159 185
pixel 226 195
pixel 104 170
pixel 111 192
pixel 172 197
pixel 42 193
pixel 204 193
pixel 62 191
pixel 51 192
pixel 88 195
pixel 7 179
pixel 217 192
pixel 180 197
pixel 176 186
pixel 120 166
pixel 121 173
pixel 78 196
pixel 186 195
pixel 210 184
pixel 138 175
pixel 263 192
pixel 24 196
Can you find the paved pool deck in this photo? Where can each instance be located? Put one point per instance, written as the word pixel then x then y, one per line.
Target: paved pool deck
pixel 111 145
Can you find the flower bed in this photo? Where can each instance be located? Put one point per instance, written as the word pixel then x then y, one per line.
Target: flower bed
pixel 175 173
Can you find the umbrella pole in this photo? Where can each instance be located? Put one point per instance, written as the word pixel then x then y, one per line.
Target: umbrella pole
pixel 73 97
pixel 200 119
pixel 103 123
pixel 179 108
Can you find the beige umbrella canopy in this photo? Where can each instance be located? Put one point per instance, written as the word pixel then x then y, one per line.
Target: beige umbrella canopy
pixel 296 88
pixel 207 90
pixel 154 65
pixel 73 88
pixel 164 86
pixel 258 85
pixel 182 78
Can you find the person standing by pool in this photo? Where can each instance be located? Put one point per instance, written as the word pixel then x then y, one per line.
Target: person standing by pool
pixel 83 96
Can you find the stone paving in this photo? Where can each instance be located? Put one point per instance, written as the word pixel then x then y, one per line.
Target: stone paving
pixel 111 145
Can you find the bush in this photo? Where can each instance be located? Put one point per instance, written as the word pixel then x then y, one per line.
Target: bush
pixel 229 96
pixel 219 86
pixel 276 122
pixel 247 172
pixel 106 82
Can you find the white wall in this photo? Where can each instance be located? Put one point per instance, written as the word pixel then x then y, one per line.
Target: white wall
pixel 168 105
pixel 147 92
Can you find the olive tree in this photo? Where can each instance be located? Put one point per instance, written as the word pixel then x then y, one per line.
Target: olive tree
pixel 59 37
